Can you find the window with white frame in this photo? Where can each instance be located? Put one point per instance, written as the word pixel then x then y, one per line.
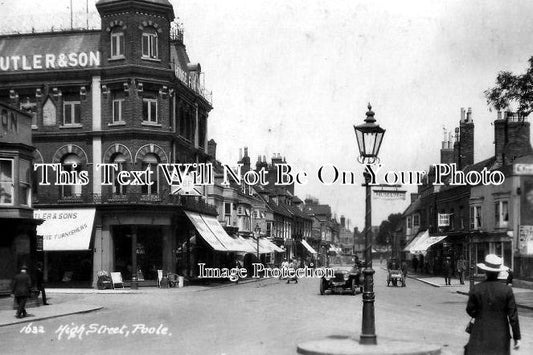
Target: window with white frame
pixel 117 110
pixel 71 163
pixel 409 222
pixel 150 162
pixel 240 211
pixel 117 44
pixel 24 182
pixel 150 44
pixel 6 181
pixel 119 159
pixel 444 220
pixel 150 110
pixel 475 217
pixel 501 213
pixel 71 113
pixel 416 220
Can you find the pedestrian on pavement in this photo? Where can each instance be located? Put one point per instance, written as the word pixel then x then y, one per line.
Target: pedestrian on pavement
pixel 492 305
pixel 415 263
pixel 39 280
pixel 461 269
pixel 21 289
pixel 448 271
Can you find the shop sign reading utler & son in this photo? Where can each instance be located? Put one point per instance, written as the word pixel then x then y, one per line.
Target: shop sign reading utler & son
pixel 47 61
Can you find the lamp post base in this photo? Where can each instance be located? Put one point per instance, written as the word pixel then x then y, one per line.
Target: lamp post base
pixel 350 346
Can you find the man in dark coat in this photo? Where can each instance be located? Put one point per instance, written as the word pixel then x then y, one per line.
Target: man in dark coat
pixel 21 289
pixel 448 271
pixel 39 280
pixel 493 307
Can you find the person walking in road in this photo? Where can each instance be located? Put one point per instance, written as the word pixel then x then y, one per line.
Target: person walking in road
pixel 39 280
pixel 492 306
pixel 404 273
pixel 461 269
pixel 21 289
pixel 448 271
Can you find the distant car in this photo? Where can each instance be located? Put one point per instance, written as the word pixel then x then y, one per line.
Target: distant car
pixel 346 279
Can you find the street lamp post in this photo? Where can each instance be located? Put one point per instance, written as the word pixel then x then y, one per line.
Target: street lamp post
pixel 369 136
pixel 257 232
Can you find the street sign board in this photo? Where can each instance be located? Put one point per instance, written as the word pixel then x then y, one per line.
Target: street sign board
pixel 523 169
pixel 389 194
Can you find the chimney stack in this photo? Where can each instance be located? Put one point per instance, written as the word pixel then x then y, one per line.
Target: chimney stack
pixel 466 140
pixel 446 152
pixel 212 148
pixel 511 138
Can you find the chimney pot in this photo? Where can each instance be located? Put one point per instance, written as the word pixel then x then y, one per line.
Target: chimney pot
pixel 462 113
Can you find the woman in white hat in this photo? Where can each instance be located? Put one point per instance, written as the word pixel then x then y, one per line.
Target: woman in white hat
pixel 493 307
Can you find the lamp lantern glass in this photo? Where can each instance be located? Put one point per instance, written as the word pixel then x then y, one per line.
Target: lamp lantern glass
pixel 369 137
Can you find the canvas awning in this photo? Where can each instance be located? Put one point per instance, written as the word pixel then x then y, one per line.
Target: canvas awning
pixel 65 229
pixel 213 233
pixel 422 244
pixel 265 246
pixel 413 241
pixel 308 247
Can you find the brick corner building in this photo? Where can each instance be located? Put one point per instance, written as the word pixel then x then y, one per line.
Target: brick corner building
pixel 128 95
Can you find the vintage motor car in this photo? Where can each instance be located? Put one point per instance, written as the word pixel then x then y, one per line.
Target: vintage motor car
pixel 347 278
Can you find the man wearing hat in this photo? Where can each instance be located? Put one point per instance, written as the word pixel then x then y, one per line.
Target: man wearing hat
pixel 493 307
pixel 21 288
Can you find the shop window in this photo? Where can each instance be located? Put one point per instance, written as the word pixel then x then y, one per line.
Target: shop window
pixel 71 163
pixel 150 110
pixel 24 182
pixel 475 217
pixel 117 44
pixel 71 113
pixel 501 214
pixel 6 182
pixel 150 44
pixel 150 161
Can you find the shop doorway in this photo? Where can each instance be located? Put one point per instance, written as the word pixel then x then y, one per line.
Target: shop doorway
pixel 149 251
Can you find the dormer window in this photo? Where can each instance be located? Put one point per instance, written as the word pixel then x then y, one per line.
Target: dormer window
pixel 117 44
pixel 150 44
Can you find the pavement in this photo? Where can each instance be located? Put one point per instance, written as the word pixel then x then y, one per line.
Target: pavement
pixel 59 308
pixel 523 296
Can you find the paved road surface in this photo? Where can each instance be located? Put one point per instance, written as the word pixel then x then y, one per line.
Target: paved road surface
pixel 266 317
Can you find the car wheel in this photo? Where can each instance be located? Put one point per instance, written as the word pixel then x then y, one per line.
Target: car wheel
pixel 322 287
pixel 394 282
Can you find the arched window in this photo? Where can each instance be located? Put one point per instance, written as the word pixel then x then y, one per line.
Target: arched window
pixel 119 159
pixel 150 161
pixel 150 44
pixel 117 43
pixel 70 163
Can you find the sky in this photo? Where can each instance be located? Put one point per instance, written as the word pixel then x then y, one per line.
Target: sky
pixel 293 77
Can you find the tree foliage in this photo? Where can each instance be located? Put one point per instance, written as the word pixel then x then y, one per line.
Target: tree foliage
pixel 512 90
pixel 387 227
